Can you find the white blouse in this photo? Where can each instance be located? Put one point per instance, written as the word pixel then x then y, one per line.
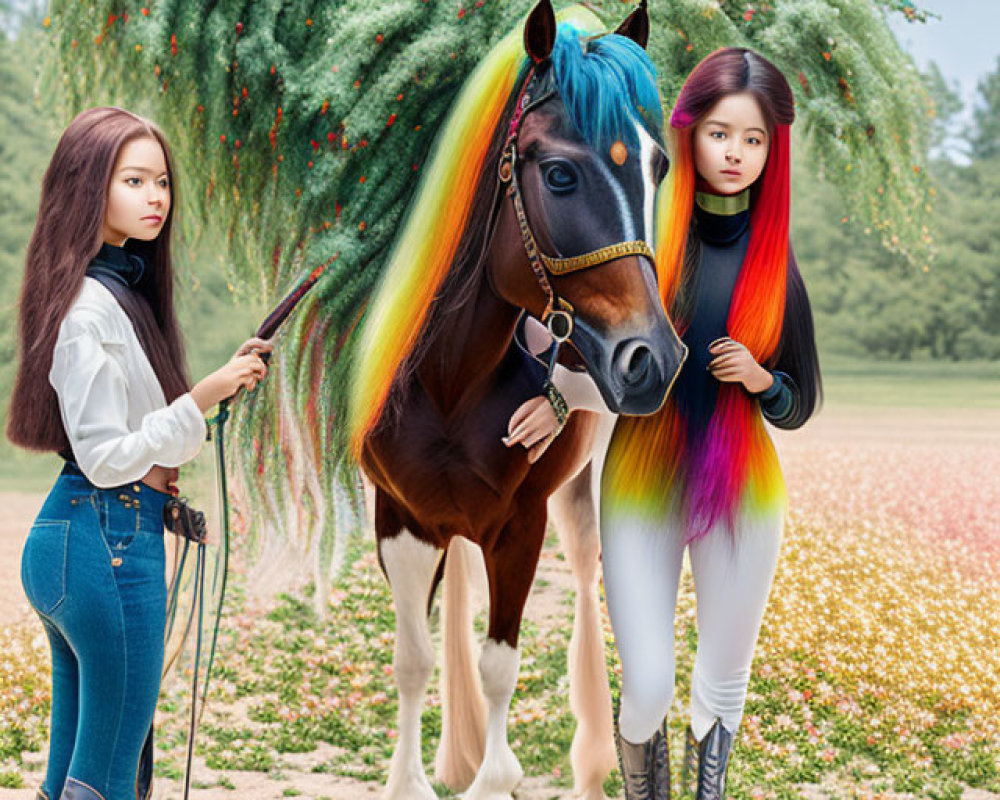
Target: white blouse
pixel 113 409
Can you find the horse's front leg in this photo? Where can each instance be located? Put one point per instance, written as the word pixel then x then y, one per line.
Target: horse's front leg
pixel 592 754
pixel 574 511
pixel 510 568
pixel 410 565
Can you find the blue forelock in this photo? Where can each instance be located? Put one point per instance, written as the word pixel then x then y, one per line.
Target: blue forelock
pixel 607 85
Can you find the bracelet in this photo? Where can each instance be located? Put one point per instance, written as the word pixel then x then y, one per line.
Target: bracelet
pixel 559 406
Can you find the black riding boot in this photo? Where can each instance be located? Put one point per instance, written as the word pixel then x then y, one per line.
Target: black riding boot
pixel 74 790
pixel 703 775
pixel 144 776
pixel 645 766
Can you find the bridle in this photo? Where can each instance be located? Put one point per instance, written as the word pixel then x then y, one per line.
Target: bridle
pixel 558 315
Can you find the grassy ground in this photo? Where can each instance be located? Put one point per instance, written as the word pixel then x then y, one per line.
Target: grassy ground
pixel 875 674
pixel 911 384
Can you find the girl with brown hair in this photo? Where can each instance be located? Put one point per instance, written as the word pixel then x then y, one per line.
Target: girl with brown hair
pixel 102 382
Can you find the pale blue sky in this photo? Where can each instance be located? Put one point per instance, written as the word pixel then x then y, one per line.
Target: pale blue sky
pixel 965 41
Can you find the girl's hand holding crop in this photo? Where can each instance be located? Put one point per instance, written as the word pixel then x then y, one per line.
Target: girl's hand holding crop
pixel 255 345
pixel 243 371
pixel 734 364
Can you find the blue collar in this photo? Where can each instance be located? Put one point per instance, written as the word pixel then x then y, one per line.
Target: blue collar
pixel 119 264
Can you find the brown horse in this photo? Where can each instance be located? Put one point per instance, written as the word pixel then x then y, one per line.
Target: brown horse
pixel 553 183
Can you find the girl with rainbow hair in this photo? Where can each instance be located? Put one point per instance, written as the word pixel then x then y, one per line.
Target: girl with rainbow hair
pixel 701 474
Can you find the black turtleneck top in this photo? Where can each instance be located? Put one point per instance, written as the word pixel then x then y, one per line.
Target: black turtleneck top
pixel 723 228
pixel 117 264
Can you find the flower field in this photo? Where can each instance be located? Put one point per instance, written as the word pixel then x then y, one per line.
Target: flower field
pixel 877 673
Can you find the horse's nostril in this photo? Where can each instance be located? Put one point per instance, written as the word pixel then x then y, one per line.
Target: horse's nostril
pixel 636 364
pixel 639 362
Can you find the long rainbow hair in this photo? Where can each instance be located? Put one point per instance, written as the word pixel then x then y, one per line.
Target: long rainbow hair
pixel 601 100
pixel 664 462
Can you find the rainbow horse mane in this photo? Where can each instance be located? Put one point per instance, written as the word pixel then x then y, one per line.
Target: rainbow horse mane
pixel 606 82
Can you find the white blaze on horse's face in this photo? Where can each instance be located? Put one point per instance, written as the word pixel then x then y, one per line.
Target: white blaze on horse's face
pixel 582 196
pixel 654 168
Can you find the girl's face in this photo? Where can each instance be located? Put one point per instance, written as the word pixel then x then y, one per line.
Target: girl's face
pixel 731 144
pixel 139 194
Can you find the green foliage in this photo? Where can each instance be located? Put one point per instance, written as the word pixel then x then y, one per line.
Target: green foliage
pixel 873 303
pixel 300 129
pixel 859 98
pixel 946 103
pixel 985 139
pixel 24 151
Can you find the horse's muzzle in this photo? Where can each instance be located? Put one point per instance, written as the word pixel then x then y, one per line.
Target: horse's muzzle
pixel 633 374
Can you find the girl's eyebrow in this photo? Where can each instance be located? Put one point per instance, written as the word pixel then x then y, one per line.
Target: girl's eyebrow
pixel 727 126
pixel 142 169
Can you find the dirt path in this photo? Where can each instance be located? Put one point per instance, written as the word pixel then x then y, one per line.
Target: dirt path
pixel 17 510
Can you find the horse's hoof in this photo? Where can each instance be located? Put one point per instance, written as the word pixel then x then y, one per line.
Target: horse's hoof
pixel 412 788
pixel 595 793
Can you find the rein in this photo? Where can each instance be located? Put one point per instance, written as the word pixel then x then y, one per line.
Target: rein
pixel 266 330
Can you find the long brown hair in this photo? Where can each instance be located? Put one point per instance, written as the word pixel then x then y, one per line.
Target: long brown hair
pixel 68 234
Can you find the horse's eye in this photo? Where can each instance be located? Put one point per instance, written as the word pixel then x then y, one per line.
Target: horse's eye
pixel 559 178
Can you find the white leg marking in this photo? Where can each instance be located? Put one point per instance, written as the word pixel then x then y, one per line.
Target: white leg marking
pixel 500 771
pixel 463 706
pixel 410 565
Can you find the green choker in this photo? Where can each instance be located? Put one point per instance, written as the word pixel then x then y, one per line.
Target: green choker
pixel 723 205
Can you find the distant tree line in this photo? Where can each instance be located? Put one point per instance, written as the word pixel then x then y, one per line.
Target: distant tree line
pixel 871 303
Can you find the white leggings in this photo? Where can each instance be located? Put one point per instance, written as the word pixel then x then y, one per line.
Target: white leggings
pixel 732 576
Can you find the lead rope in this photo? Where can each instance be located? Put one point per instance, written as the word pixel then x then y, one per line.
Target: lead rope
pixel 198 605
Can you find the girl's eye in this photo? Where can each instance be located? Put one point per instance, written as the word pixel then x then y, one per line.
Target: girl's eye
pixel 164 183
pixel 754 140
pixel 134 181
pixel 718 135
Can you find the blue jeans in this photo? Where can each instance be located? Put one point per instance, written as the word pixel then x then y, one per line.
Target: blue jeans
pixel 93 569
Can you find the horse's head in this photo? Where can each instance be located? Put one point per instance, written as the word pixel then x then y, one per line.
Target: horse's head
pixel 574 234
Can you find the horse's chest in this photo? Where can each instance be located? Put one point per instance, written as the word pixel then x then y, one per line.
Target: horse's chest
pixel 449 470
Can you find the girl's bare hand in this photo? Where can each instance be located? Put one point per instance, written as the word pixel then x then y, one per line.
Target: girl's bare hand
pixel 163 479
pixel 734 364
pixel 534 426
pixel 240 372
pixel 254 345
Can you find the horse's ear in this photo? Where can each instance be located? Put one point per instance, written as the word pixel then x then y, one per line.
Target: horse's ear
pixel 540 31
pixel 636 26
